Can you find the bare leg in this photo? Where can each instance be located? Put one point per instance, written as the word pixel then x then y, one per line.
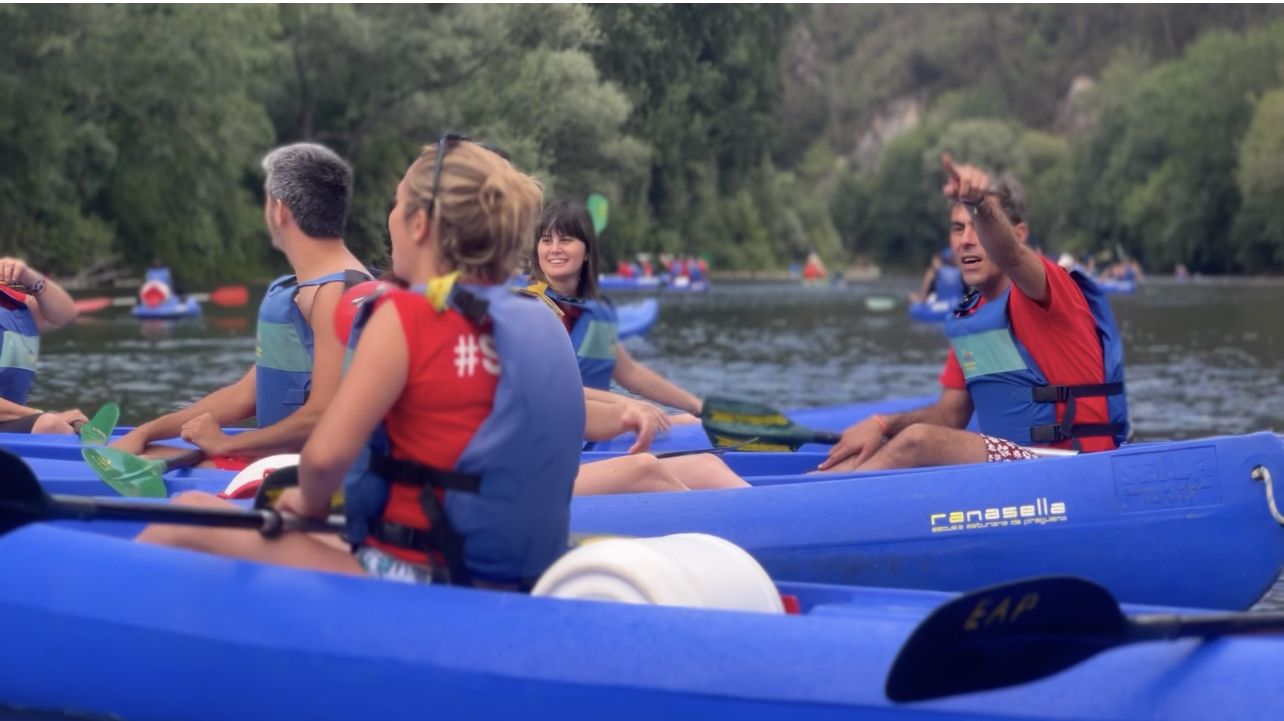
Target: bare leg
pixel 290 549
pixel 927 445
pixel 703 471
pixel 641 473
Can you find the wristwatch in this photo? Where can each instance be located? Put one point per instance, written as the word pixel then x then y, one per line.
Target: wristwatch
pixel 38 287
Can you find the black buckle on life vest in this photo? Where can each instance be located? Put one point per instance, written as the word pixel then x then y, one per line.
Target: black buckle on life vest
pixel 1056 433
pixel 1061 394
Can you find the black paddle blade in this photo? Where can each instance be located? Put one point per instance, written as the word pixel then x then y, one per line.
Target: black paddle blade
pixel 1006 635
pixel 22 500
pixel 751 426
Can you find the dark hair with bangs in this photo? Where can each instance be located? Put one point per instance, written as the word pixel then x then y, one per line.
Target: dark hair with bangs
pixel 569 219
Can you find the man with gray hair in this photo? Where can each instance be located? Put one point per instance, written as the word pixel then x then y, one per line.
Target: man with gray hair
pixel 1034 351
pixel 298 356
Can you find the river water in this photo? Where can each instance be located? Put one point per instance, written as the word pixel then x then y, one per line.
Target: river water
pixel 1203 357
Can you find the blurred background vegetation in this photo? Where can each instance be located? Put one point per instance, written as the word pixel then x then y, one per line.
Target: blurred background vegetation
pixel 748 134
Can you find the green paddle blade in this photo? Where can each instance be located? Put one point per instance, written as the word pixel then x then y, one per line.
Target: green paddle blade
pixel 728 421
pixel 599 210
pixel 125 472
pixel 99 428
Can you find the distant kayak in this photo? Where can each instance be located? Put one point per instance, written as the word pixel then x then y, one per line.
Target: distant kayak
pixel 171 308
pixel 935 311
pixel 636 319
pixel 1118 286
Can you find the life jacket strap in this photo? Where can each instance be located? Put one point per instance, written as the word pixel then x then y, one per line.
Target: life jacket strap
pixel 1061 394
pixel 417 474
pixel 443 545
pixel 1055 432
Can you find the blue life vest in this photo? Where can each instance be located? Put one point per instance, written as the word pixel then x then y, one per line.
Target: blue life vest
pixel 503 512
pixel 594 335
pixel 1012 396
pixel 948 283
pixel 20 350
pixel 283 350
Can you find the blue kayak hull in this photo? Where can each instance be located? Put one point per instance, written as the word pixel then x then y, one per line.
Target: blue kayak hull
pixel 1176 523
pixel 170 309
pixel 148 634
pixel 933 312
pixel 1154 523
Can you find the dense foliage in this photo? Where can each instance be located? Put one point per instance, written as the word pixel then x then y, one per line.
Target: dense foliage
pixel 748 134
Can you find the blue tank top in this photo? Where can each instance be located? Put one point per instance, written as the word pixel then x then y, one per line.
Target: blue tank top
pixel 20 351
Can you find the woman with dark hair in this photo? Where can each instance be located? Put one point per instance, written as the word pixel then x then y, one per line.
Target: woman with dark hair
pixel 564 263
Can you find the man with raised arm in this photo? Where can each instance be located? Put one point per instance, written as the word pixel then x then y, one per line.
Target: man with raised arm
pixel 1034 351
pixel 29 304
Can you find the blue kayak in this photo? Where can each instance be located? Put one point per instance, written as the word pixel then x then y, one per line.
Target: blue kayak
pixel 1181 523
pixel 1154 522
pixel 100 627
pixel 935 311
pixel 608 281
pixel 171 308
pixel 636 319
pixel 1117 286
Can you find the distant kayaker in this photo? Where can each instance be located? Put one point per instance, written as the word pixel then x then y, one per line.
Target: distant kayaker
pixel 942 281
pixel 1034 351
pixel 297 356
pixel 29 303
pixel 474 386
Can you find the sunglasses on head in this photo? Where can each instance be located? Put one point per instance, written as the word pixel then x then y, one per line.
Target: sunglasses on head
pixel 442 145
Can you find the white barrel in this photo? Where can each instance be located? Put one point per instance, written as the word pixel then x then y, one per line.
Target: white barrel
pixel 686 569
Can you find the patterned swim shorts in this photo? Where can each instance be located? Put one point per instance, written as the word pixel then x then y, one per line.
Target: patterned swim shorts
pixel 390 568
pixel 999 449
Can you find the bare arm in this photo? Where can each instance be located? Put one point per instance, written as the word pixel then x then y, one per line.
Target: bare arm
pixel 952 410
pixel 53 308
pixel 1004 243
pixel 228 405
pixel 376 379
pixel 11 411
pixel 645 382
pixel 290 433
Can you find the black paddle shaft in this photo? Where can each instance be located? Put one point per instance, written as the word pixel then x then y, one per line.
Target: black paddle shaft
pixel 267 521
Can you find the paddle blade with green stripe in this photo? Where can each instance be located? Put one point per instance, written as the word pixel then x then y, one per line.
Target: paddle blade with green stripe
pixel 126 473
pixel 99 428
pixel 599 211
pixel 730 421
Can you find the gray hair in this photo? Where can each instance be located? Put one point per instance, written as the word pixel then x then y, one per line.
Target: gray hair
pixel 314 183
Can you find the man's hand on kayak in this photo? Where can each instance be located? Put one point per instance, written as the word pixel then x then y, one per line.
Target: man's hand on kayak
pixel 204 433
pixel 858 443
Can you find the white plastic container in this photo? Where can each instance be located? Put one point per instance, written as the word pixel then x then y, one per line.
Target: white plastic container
pixel 686 569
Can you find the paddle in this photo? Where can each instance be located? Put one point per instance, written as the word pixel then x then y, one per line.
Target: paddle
pixel 23 501
pixel 99 428
pixel 599 211
pixel 729 421
pixel 228 296
pixel 1026 630
pixel 133 476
